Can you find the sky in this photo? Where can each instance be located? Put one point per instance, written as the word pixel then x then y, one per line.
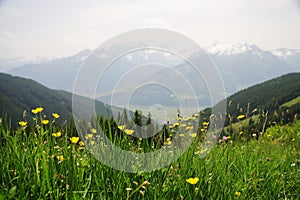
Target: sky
pixel 56 28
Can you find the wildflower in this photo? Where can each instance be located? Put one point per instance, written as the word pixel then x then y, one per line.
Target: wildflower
pixel 146 183
pixel 188 118
pixel 168 142
pixel 22 123
pixel 196 115
pixel 60 158
pixel 238 193
pixel 128 189
pixel 194 118
pixel 135 183
pixel 45 121
pixel 121 128
pixel 176 124
pixel 193 135
pixel 179 118
pixel 74 140
pixel 241 132
pixel 293 139
pixel 205 123
pixel 181 135
pixel 183 125
pixel 202 129
pixel 93 130
pixel 89 135
pixel 58 134
pixel 268 158
pixel 241 116
pixel 81 143
pixel 189 128
pixel 128 131
pixel 55 115
pixel 92 142
pixel 37 110
pixel 293 164
pixel 225 138
pixel 192 181
pixel 170 127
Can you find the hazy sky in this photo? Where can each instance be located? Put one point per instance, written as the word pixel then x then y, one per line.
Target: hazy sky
pixel 59 28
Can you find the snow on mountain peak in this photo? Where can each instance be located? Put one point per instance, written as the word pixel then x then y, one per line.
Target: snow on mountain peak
pixel 283 53
pixel 233 49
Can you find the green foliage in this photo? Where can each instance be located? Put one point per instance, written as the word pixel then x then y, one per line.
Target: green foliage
pixel 18 95
pixel 31 168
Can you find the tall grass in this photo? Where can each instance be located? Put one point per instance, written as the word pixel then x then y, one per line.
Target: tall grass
pixel 34 164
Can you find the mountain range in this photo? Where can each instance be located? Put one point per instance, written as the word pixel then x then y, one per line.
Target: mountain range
pixel 240 66
pixel 18 94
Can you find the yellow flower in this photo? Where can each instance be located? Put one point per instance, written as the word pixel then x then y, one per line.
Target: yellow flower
pixel 189 128
pixel 196 115
pixel 181 135
pixel 45 121
pixel 121 128
pixel 92 142
pixel 194 118
pixel 241 116
pixel 89 135
pixel 183 125
pixel 192 181
pixel 241 132
pixel 168 142
pixel 205 123
pixel 238 193
pixel 22 123
pixel 74 140
pixel 55 115
pixel 60 158
pixel 34 111
pixel 128 131
pixel 188 118
pixel 37 110
pixel 176 124
pixel 179 118
pixel 202 129
pixel 58 134
pixel 193 135
pixel 170 127
pixel 81 143
pixel 93 130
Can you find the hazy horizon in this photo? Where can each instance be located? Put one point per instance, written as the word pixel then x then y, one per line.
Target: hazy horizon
pixel 56 29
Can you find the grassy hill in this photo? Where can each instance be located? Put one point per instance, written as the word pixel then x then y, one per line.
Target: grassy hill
pixel 274 101
pixel 19 94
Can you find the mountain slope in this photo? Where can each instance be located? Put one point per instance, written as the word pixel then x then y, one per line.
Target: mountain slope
pixel 19 94
pixel 55 74
pixel 267 97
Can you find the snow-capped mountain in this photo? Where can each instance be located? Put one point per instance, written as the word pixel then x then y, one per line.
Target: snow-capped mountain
pixel 290 56
pixel 243 65
pixel 240 65
pixel 223 49
pixel 8 64
pixel 58 73
pixel 283 53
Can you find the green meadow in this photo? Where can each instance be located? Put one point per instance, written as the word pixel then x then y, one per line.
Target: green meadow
pixel 42 159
